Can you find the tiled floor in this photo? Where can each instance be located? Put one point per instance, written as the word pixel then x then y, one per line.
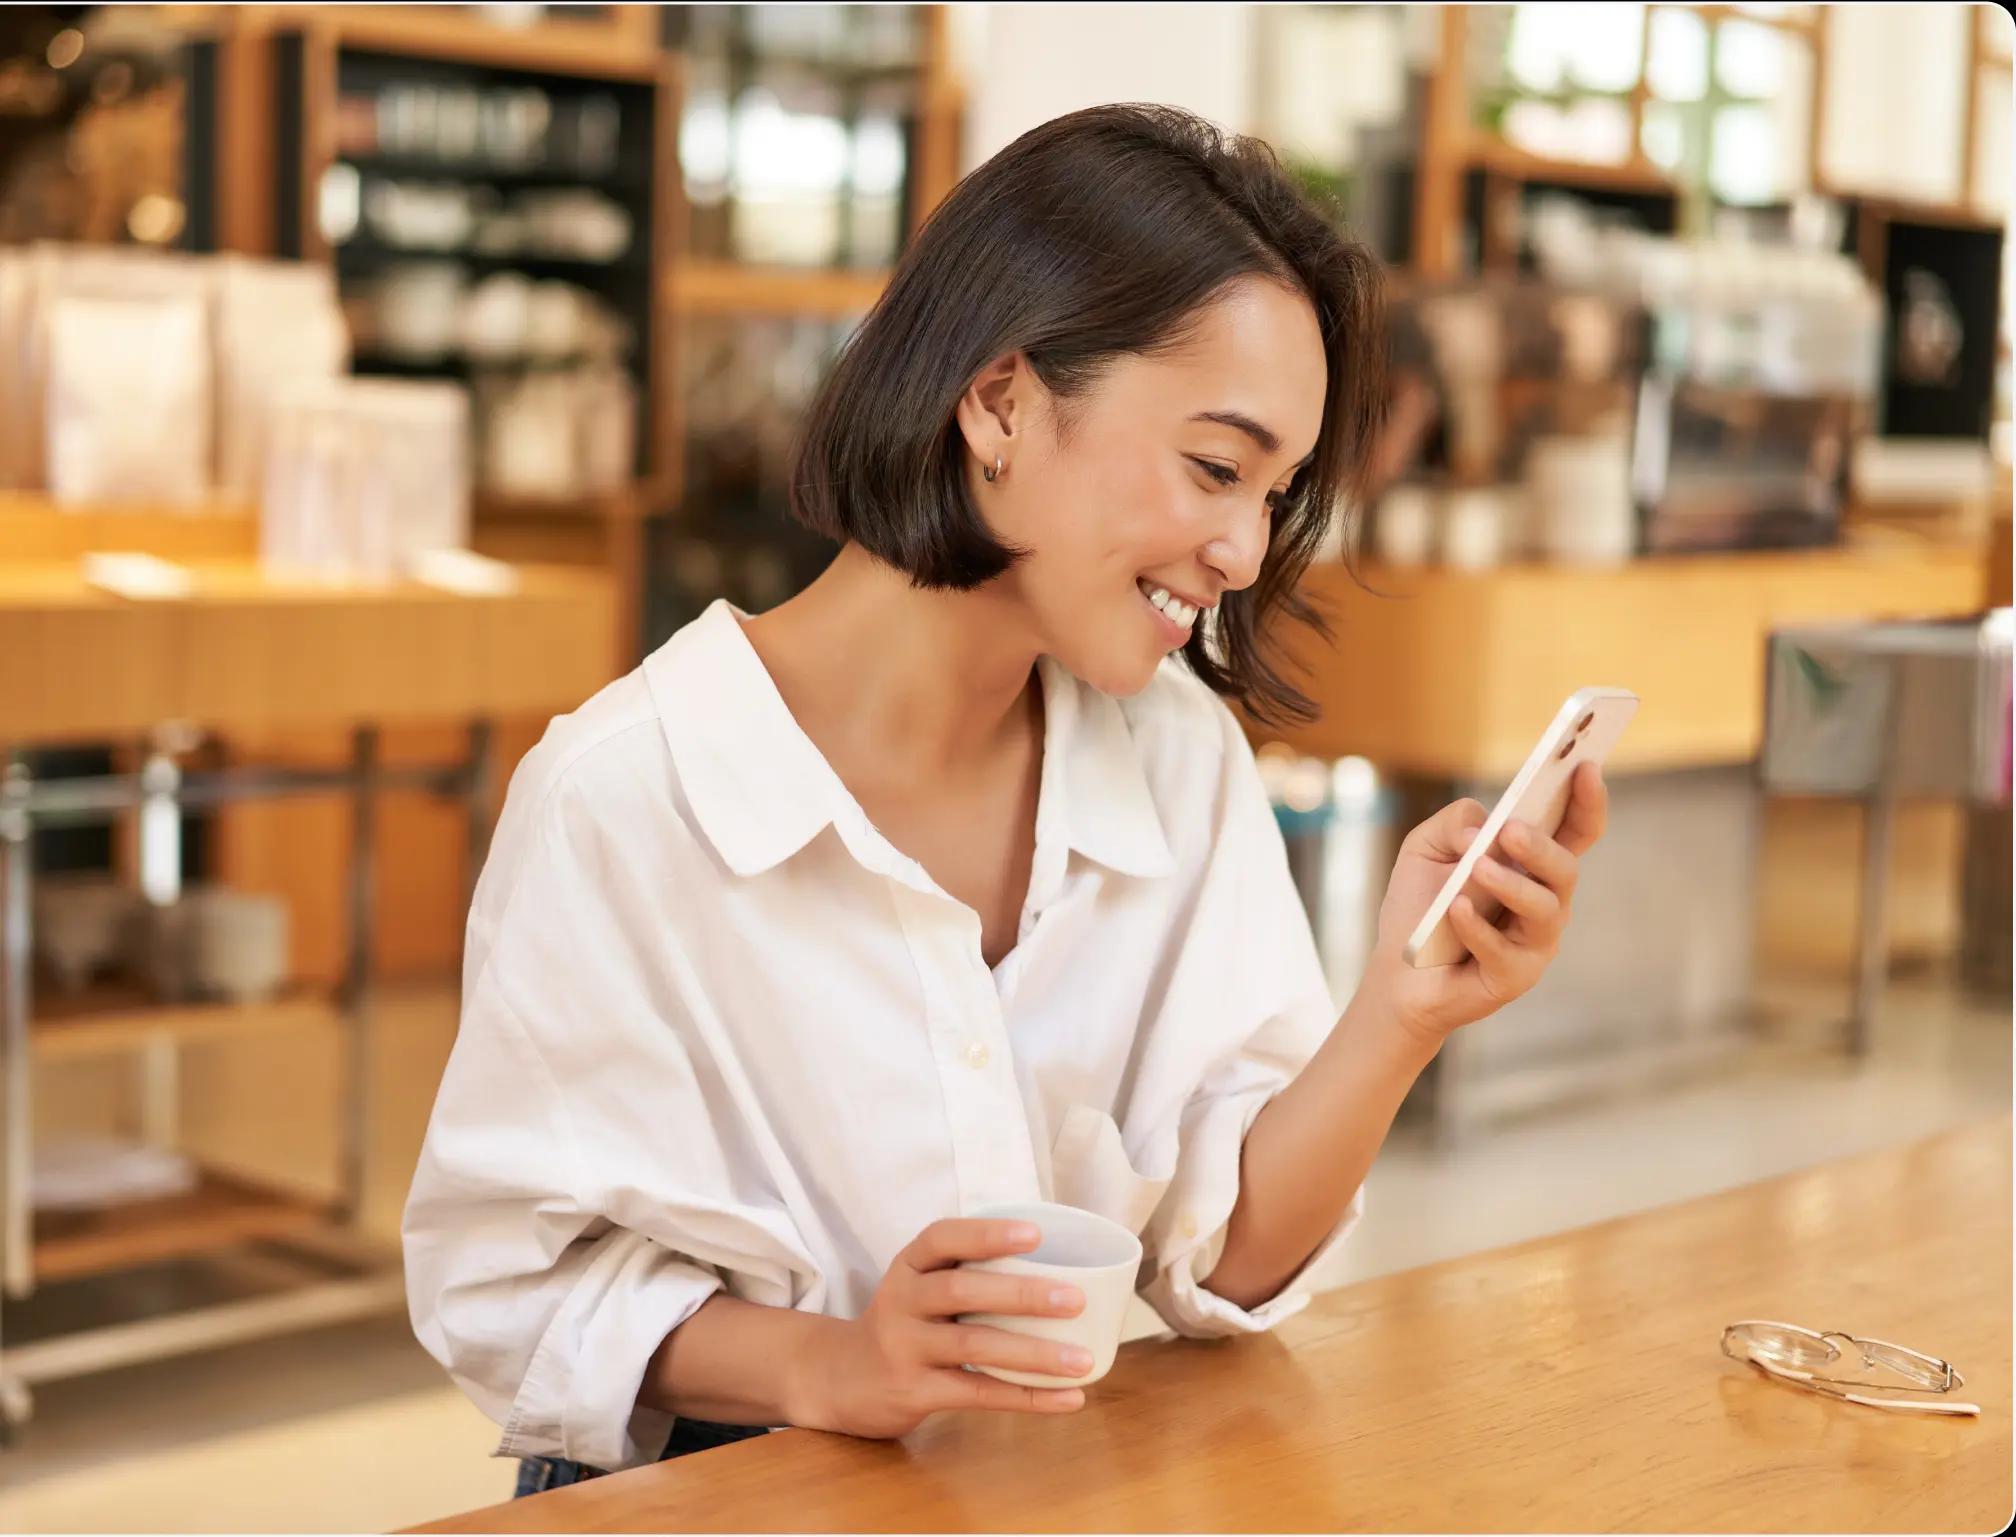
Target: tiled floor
pixel 352 1429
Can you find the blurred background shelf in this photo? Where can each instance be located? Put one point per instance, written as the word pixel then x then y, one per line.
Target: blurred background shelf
pixel 248 652
pixel 361 253
pixel 639 500
pixel 220 1210
pixel 723 288
pixel 108 1020
pixel 786 84
pixel 1489 153
pixel 458 365
pixel 491 173
pixel 35 528
pixel 620 45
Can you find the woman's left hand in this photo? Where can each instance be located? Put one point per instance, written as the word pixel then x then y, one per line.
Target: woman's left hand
pixel 1507 957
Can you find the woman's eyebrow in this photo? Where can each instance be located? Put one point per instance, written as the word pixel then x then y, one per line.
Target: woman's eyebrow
pixel 1241 422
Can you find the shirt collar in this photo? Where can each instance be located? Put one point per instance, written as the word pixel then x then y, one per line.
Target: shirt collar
pixel 758 787
pixel 1093 780
pixel 761 790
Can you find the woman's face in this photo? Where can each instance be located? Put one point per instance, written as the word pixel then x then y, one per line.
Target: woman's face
pixel 1162 485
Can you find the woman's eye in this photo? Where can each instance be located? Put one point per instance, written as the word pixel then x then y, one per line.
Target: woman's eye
pixel 1225 475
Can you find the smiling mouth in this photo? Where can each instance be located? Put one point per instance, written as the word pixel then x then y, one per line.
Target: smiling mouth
pixel 1177 616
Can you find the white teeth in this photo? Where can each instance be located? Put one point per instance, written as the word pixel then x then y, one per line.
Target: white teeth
pixel 1179 611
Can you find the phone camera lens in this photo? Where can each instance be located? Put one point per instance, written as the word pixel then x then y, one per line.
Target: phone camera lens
pixel 1583 723
pixel 1566 748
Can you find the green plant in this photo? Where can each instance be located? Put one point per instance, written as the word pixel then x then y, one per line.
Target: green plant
pixel 1329 189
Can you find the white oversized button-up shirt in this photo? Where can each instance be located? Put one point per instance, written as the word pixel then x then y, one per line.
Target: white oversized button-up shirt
pixel 719 1034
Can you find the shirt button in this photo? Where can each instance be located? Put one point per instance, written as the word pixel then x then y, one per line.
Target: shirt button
pixel 976 1054
pixel 1188 1226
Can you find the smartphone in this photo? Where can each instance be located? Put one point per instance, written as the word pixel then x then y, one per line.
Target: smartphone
pixel 1583 731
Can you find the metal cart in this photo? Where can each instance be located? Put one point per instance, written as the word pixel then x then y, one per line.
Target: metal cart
pixel 346 1277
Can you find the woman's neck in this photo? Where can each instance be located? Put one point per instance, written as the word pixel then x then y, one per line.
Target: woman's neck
pixel 924 684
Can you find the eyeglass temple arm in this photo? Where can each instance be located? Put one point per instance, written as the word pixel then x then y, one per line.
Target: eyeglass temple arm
pixel 1823 1385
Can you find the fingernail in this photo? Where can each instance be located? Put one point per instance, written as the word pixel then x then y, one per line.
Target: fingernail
pixel 1077 1360
pixel 1065 1299
pixel 1465 837
pixel 1022 1232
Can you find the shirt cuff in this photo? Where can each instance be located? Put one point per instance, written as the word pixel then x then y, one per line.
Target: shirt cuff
pixel 579 1396
pixel 1193 1224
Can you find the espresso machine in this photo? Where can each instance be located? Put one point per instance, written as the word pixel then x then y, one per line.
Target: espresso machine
pixel 1762 370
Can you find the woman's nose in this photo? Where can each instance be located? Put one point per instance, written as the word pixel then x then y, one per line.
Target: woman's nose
pixel 1237 553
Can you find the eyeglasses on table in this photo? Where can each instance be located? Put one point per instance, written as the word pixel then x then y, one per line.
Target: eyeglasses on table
pixel 1805 1357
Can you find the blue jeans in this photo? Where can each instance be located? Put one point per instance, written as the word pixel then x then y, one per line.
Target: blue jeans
pixel 538 1474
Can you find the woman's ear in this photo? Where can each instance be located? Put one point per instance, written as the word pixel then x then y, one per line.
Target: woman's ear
pixel 996 407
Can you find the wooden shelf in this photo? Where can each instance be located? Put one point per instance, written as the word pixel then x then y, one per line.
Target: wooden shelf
pixel 1910 211
pixel 365 251
pixel 592 49
pixel 108 1020
pixel 250 652
pixel 218 1211
pixel 725 288
pixel 434 168
pixel 1487 152
pixel 35 528
pixel 638 500
pixel 1805 26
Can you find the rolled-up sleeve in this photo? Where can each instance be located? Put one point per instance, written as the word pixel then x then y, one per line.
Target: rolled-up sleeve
pixel 574 1202
pixel 1251 975
pixel 1187 1235
pixel 542 1312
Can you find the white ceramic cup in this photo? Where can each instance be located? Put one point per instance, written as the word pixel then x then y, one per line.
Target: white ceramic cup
pixel 237 945
pixel 1099 1257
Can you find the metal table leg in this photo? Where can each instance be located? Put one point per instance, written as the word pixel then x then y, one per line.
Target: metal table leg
pixel 1879 813
pixel 16 1136
pixel 16 1069
pixel 364 756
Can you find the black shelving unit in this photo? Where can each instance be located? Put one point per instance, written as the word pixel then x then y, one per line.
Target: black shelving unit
pixel 307 79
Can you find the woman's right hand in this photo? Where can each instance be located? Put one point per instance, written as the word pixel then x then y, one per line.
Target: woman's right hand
pixel 881 1374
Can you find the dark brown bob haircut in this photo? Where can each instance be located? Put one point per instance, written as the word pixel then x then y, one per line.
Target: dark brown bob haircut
pixel 1097 235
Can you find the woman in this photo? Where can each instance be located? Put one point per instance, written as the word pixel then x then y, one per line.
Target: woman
pixel 942 883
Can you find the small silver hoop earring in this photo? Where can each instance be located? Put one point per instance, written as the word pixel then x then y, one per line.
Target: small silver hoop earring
pixel 989 474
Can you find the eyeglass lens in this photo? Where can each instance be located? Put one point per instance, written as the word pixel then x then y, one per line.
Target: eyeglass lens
pixel 1904 1363
pixel 1786 1347
pixel 1812 1353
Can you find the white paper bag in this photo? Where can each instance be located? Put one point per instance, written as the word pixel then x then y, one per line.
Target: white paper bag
pixel 128 400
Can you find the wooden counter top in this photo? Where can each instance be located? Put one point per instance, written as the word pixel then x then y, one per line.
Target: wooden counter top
pixel 1570 1384
pixel 35 529
pixel 1452 674
pixel 248 653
